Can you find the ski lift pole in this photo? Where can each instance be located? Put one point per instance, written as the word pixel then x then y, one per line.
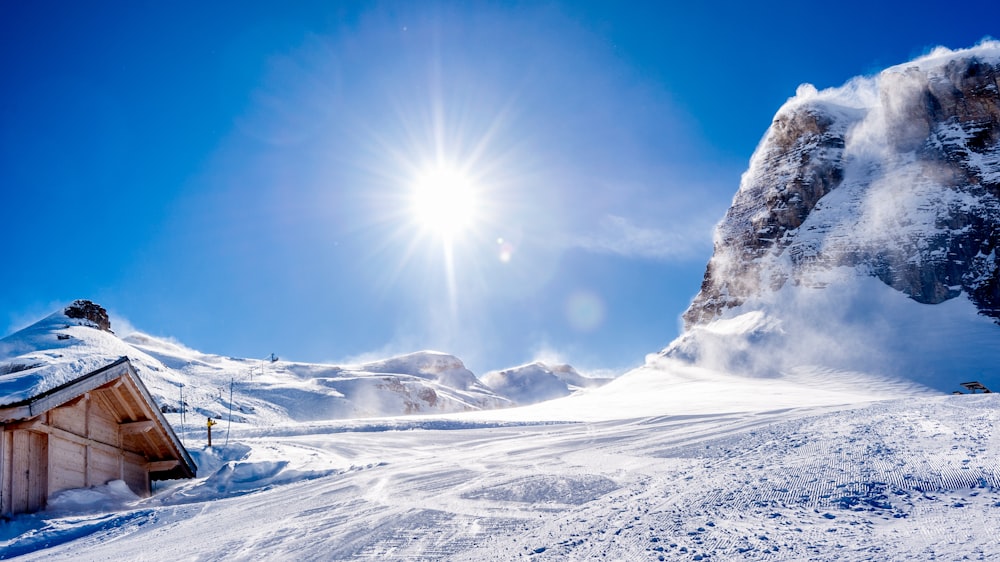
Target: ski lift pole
pixel 181 389
pixel 229 424
pixel 210 423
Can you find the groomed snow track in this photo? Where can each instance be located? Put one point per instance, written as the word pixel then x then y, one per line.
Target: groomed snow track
pixel 902 479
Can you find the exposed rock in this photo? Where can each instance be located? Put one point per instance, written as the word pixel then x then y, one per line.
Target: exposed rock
pixel 91 313
pixel 897 176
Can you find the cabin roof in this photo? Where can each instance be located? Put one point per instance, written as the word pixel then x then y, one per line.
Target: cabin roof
pixel 121 390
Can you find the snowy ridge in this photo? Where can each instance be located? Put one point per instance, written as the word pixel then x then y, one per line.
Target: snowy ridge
pixel 538 382
pixel 275 392
pixel 58 349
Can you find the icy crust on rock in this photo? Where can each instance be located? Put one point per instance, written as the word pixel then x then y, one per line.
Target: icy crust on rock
pixel 896 175
pixel 538 382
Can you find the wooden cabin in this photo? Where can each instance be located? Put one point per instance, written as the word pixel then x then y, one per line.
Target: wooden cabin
pixel 99 427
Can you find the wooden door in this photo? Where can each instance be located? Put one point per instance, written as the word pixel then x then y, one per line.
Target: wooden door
pixel 29 471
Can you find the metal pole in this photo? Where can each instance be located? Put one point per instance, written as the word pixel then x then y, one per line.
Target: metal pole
pixel 181 389
pixel 230 423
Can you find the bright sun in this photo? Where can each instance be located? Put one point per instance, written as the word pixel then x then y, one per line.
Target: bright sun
pixel 444 201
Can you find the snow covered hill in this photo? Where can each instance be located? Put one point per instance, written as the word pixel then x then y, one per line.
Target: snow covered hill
pixel 261 392
pixel 273 392
pixel 537 382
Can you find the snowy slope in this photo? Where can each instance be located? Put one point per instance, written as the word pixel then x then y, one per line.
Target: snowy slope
pixel 58 349
pixel 897 480
pixel 266 392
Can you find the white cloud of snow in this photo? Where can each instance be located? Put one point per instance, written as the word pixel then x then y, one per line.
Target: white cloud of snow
pixel 622 236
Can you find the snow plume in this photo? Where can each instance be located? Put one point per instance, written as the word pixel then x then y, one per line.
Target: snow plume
pixel 853 324
pixel 122 327
pixel 884 174
pixel 391 349
pixel 26 317
pixel 554 358
pixel 619 235
pixel 548 355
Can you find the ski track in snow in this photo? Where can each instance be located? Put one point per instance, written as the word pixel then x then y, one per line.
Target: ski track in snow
pixel 901 479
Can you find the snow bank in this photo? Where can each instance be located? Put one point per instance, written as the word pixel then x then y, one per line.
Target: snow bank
pixel 113 496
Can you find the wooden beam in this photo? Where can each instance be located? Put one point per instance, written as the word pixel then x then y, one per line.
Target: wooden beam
pixel 131 428
pixel 104 397
pixel 162 466
pixel 6 447
pixel 34 424
pixel 153 444
pixel 121 394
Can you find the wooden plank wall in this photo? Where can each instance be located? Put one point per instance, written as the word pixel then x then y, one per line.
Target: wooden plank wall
pixel 76 445
pixel 136 476
pixel 100 444
pixel 68 468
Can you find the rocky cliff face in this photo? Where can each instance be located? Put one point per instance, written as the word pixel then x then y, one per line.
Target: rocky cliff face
pixel 896 176
pixel 89 314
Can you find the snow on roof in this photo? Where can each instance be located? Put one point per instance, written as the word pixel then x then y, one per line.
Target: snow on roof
pixel 52 352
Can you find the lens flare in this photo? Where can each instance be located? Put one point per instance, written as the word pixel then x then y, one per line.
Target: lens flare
pixel 584 311
pixel 505 251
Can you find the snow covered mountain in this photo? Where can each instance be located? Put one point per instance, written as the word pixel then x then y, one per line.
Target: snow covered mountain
pixel 790 421
pixel 865 233
pixel 78 340
pixel 537 382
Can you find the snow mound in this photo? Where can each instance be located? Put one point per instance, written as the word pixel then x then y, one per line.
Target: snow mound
pixel 113 496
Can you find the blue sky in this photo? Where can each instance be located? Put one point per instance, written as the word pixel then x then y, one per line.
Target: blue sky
pixel 239 176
